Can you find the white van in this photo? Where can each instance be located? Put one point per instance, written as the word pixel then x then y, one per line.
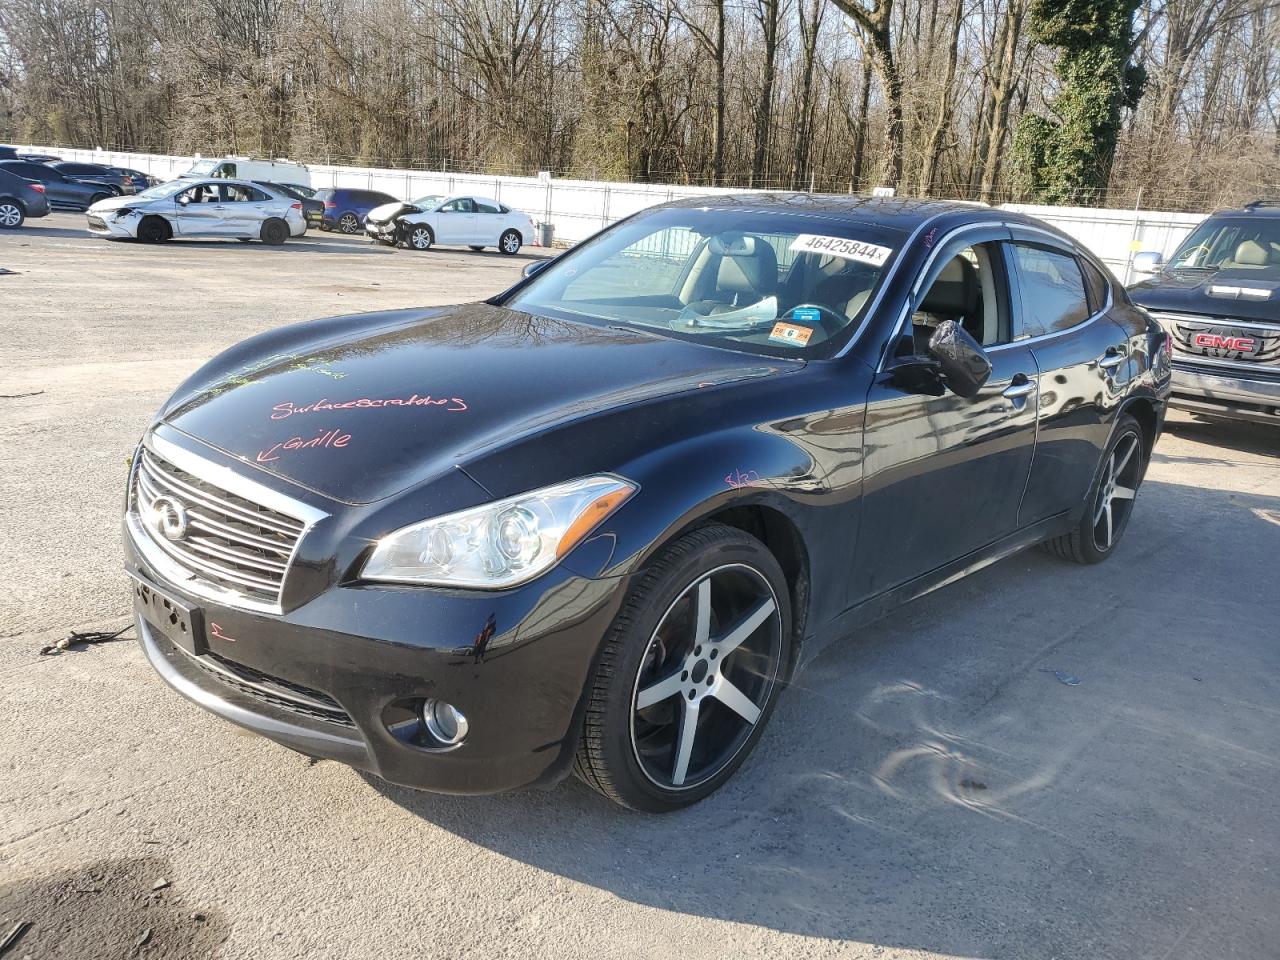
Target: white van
pixel 250 168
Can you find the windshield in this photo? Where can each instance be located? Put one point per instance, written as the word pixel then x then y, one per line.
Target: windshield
pixel 426 203
pixel 1235 243
pixel 203 168
pixel 162 190
pixel 774 283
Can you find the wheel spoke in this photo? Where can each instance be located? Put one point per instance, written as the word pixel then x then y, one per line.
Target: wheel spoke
pixel 747 626
pixel 1103 503
pixel 1133 445
pixel 1108 523
pixel 1123 493
pixel 684 745
pixel 736 700
pixel 702 612
pixel 657 692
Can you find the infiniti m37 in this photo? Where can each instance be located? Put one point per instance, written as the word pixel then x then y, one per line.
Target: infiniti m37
pixel 595 524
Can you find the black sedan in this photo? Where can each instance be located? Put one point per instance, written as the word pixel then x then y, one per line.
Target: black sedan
pixel 312 209
pixel 596 523
pixel 95 173
pixel 63 192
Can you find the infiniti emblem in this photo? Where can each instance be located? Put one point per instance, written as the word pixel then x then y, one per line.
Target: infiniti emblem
pixel 169 517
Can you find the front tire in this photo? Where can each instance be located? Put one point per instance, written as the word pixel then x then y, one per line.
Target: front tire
pixel 154 230
pixel 1111 498
pixel 689 672
pixel 12 215
pixel 274 232
pixel 97 197
pixel 349 223
pixel 509 242
pixel 418 236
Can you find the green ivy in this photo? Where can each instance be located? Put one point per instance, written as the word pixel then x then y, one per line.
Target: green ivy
pixel 1067 158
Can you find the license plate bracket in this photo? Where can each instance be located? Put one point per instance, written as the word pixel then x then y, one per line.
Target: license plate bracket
pixel 180 623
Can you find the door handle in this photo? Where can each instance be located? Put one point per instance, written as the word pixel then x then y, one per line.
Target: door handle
pixel 1111 359
pixel 1018 390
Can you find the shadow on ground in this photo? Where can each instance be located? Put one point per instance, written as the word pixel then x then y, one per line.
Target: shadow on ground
pixel 926 785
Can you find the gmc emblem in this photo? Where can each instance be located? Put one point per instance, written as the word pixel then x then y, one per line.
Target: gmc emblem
pixel 1218 342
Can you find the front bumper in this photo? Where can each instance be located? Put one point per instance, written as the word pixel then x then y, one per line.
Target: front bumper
pixel 339 677
pixel 106 225
pixel 1227 392
pixel 381 231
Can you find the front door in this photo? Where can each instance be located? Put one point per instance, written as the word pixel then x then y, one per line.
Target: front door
pixel 456 222
pixel 943 475
pixel 200 211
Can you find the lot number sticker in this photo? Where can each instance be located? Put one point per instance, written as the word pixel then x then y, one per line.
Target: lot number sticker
pixel 841 247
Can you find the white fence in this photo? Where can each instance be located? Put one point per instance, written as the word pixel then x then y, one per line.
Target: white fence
pixel 578 208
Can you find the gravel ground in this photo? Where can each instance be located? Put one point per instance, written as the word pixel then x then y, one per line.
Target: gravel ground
pixel 927 788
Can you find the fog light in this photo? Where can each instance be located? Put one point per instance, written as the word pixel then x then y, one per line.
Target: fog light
pixel 444 721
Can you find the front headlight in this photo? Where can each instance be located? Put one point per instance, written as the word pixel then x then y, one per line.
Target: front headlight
pixel 500 544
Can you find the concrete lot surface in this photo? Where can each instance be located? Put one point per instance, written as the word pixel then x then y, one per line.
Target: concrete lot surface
pixel 928 788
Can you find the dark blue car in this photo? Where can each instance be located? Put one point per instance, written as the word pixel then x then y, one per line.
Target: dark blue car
pixel 139 179
pixel 345 208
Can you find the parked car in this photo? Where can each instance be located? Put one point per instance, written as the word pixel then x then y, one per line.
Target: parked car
pixel 38 157
pixel 312 209
pixel 62 192
pixel 475 222
pixel 20 200
pixel 139 179
pixel 595 522
pixel 1219 296
pixel 118 183
pixel 250 168
pixel 200 208
pixel 345 209
pixel 8 153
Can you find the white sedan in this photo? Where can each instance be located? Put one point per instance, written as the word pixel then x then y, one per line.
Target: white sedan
pixel 204 208
pixel 475 222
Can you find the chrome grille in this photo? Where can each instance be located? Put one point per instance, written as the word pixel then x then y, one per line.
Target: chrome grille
pixel 230 541
pixel 1264 337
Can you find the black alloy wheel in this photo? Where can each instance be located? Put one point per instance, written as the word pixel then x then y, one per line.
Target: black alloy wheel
pixel 274 232
pixel 154 230
pixel 1111 501
pixel 689 672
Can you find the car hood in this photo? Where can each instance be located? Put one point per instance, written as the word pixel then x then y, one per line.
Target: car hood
pixel 360 408
pixel 1241 294
pixel 115 203
pixel 384 212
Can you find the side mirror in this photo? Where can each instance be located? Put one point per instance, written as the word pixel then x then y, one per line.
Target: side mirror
pixel 963 364
pixel 1147 262
pixel 534 267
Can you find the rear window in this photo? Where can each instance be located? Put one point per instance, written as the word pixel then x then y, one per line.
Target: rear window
pixel 81 169
pixel 483 206
pixel 374 197
pixel 1052 288
pixel 325 195
pixel 1098 286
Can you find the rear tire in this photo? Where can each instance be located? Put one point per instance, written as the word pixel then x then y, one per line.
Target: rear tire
pixel 1111 498
pixel 12 215
pixel 474 247
pixel 510 242
pixel 154 230
pixel 700 649
pixel 274 232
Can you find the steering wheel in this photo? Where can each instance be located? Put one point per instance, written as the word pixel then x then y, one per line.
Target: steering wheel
pixel 830 321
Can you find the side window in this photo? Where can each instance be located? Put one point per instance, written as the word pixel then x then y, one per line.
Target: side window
pixel 484 207
pixel 1098 285
pixel 969 290
pixel 227 171
pixel 235 193
pixel 1052 288
pixel 461 205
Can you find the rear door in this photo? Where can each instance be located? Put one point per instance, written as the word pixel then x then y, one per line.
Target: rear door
pixel 1084 367
pixel 490 223
pixel 944 474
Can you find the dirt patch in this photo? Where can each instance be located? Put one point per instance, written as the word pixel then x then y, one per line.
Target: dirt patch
pixel 110 910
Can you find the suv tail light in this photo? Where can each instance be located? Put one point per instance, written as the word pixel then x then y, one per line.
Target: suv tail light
pixel 295 206
pixel 37 187
pixel 331 204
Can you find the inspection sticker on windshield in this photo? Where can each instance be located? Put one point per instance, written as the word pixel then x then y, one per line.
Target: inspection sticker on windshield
pixel 841 247
pixel 790 334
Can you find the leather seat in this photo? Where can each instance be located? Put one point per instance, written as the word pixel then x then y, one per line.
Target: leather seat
pixel 1251 255
pixel 748 270
pixel 955 295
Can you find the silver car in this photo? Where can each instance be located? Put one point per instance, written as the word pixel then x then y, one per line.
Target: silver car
pixel 204 208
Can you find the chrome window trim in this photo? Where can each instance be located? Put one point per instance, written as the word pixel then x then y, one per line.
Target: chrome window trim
pixel 226 479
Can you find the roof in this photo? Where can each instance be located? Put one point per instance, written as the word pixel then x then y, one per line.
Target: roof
pixel 895 212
